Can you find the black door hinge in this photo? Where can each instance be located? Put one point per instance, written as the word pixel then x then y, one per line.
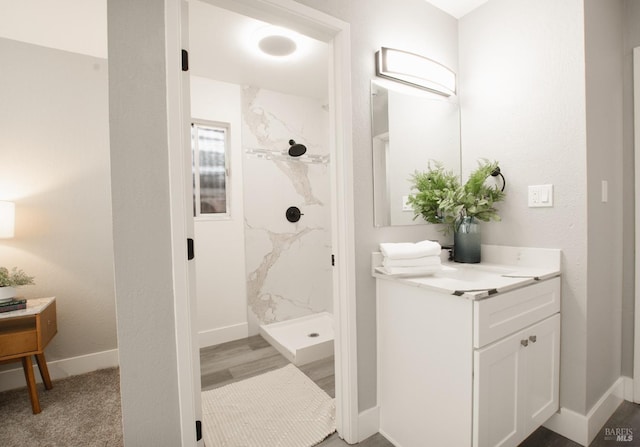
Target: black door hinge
pixel 333 260
pixel 190 250
pixel 185 60
pixel 198 430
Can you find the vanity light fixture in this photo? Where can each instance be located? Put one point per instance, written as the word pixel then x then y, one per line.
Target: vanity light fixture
pixel 7 219
pixel 415 70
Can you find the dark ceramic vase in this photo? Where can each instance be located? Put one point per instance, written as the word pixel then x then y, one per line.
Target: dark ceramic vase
pixel 466 240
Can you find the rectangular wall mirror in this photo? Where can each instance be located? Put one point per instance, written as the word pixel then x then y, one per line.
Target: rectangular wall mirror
pixel 409 128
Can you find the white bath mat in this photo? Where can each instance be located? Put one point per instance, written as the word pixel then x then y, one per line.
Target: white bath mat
pixel 281 408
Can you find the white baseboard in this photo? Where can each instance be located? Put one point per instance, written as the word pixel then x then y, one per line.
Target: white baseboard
pixel 59 369
pixel 390 439
pixel 368 423
pixel 583 429
pixel 216 336
pixel 628 388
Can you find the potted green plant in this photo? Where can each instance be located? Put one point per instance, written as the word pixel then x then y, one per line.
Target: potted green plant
pixel 441 198
pixel 9 280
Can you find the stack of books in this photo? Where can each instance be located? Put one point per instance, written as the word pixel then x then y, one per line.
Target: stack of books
pixel 14 304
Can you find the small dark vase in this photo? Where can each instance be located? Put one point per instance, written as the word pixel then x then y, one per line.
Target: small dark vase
pixel 466 240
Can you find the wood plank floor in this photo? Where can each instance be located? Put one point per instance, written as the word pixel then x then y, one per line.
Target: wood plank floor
pixel 241 359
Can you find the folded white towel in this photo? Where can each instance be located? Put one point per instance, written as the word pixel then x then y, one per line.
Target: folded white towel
pixel 415 262
pixel 409 250
pixel 411 271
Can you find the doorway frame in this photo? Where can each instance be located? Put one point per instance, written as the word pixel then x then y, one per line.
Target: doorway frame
pixel 636 114
pixel 336 33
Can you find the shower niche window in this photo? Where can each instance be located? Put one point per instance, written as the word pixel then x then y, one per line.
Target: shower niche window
pixel 209 156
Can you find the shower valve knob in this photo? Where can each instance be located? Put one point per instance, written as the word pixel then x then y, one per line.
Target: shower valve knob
pixel 293 214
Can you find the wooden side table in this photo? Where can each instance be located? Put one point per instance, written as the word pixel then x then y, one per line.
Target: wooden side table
pixel 27 332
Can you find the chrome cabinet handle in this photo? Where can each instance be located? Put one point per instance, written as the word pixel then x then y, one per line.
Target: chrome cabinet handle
pixel 533 338
pixel 524 342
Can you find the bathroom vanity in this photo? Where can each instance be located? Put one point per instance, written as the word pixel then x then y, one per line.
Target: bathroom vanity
pixel 470 356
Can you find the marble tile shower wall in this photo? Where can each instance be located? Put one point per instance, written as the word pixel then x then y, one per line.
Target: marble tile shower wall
pixel 288 264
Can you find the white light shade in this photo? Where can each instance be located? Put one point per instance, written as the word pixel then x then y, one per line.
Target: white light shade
pixel 276 42
pixel 415 70
pixel 7 219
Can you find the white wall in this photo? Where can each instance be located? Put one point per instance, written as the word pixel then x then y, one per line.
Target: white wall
pixel 54 139
pixel 79 26
pixel 412 25
pixel 220 250
pixel 144 271
pixel 604 81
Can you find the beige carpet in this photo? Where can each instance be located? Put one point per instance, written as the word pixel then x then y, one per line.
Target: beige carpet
pixel 80 411
pixel 280 408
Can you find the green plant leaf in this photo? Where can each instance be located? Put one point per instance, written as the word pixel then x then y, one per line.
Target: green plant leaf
pixel 14 278
pixel 440 198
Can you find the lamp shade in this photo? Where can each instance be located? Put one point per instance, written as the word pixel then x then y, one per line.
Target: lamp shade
pixel 415 70
pixel 7 219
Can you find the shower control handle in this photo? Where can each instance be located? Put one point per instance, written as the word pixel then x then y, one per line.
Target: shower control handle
pixel 293 214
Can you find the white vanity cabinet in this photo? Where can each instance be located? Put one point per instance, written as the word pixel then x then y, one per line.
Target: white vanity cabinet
pixel 461 371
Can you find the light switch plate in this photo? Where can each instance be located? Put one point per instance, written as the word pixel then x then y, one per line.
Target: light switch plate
pixel 405 205
pixel 540 196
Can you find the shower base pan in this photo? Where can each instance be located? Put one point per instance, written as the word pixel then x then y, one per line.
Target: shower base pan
pixel 302 340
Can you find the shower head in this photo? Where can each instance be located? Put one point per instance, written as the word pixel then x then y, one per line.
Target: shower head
pixel 296 149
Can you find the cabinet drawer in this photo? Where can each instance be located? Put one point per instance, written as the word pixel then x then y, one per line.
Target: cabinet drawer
pixel 18 342
pixel 506 313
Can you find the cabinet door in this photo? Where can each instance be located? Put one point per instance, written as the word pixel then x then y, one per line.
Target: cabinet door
pixel 542 373
pixel 516 384
pixel 496 383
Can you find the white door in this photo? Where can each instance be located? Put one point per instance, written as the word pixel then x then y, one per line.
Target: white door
pixel 186 141
pixel 496 383
pixel 178 111
pixel 542 372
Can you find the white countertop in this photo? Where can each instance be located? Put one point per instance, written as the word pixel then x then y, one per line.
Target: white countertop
pixel 34 306
pixel 506 268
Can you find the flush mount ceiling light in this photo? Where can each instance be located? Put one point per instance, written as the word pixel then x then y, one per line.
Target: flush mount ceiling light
pixel 277 46
pixel 415 70
pixel 276 42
